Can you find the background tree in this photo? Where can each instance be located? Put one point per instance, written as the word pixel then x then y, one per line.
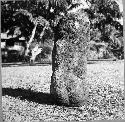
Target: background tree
pixel 103 16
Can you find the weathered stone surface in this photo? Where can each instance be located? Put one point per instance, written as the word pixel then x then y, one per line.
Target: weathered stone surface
pixel 69 65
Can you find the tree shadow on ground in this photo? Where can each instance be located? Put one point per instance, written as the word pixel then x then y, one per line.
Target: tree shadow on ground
pixel 29 95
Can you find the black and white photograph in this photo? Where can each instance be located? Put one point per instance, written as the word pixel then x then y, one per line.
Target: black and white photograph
pixel 62 60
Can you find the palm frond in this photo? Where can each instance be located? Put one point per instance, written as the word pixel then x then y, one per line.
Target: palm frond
pixel 74 5
pixel 39 20
pixel 25 13
pixel 61 3
pixel 42 21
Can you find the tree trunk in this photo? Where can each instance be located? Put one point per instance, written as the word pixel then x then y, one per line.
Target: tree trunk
pixel 41 35
pixel 31 39
pixel 36 49
pixel 69 66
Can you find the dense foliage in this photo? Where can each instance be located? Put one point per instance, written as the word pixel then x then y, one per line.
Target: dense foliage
pixel 35 20
pixel 51 16
pixel 103 16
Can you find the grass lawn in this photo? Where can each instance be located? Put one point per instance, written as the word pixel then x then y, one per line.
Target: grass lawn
pixel 26 98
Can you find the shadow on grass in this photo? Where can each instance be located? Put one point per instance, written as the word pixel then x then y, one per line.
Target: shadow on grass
pixel 29 95
pixel 32 96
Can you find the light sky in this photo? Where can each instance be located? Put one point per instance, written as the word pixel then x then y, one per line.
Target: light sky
pixel 121 9
pixel 120 4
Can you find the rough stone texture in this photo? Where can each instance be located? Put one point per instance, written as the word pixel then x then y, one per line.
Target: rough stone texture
pixel 69 65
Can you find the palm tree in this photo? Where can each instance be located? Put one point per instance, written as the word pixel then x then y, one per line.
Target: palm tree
pixel 69 62
pixel 37 21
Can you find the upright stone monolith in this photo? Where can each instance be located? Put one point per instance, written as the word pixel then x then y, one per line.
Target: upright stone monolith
pixel 69 65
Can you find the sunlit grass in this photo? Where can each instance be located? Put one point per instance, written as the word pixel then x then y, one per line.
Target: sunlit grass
pixel 26 91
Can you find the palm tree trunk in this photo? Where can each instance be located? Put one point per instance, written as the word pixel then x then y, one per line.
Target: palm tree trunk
pixel 69 66
pixel 34 54
pixel 41 35
pixel 31 39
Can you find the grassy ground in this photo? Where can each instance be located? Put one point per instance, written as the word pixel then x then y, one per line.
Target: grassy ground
pixel 26 95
